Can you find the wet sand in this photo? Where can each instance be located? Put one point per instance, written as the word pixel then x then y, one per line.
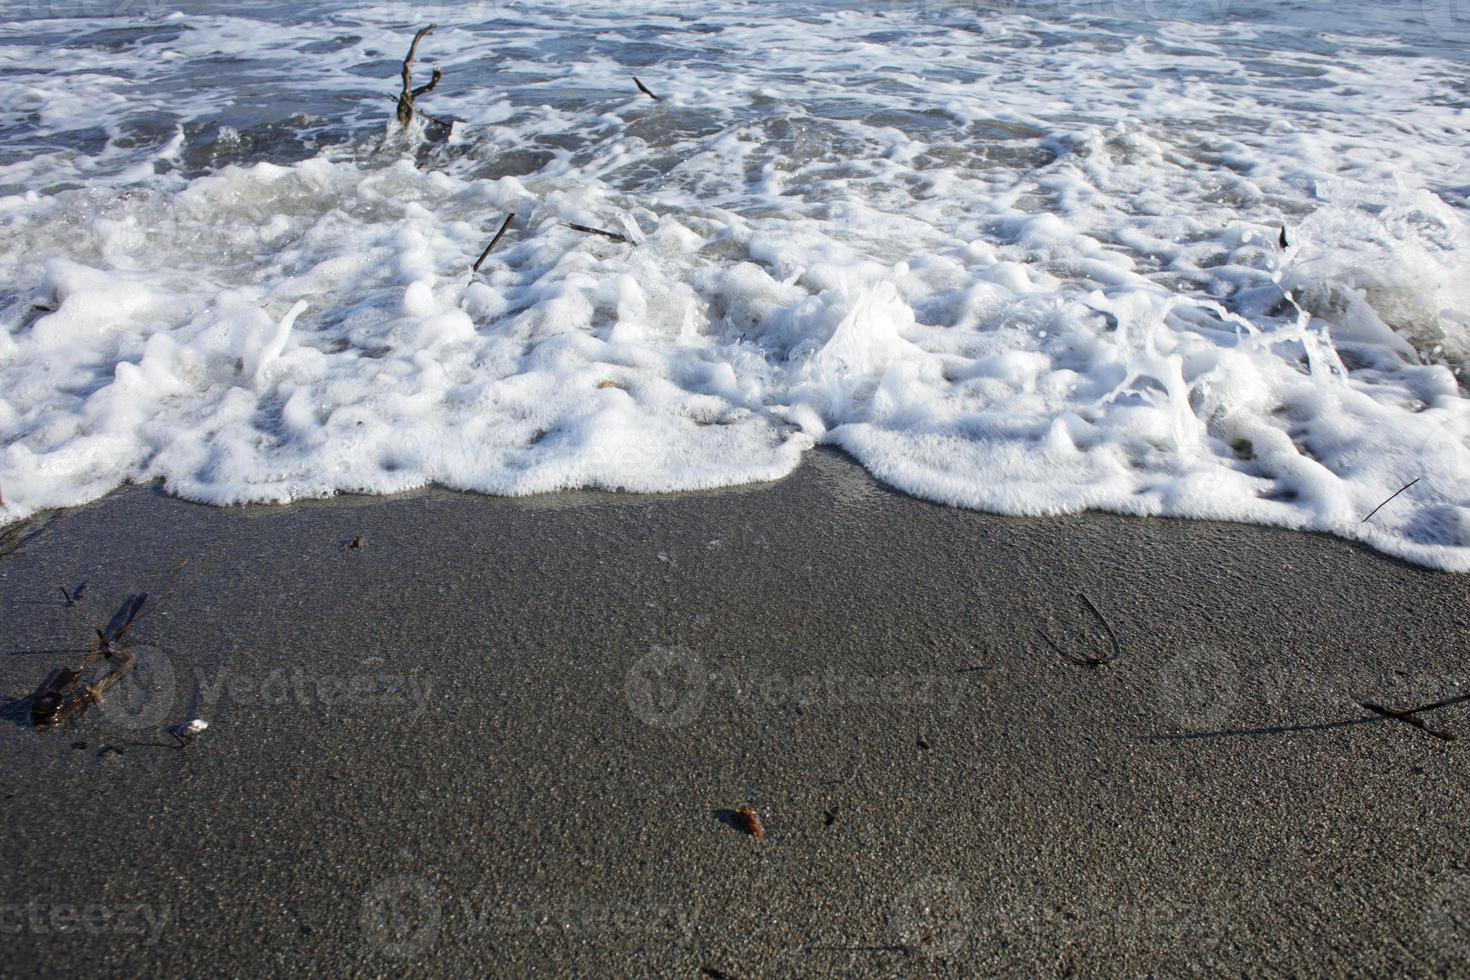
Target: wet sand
pixel 509 736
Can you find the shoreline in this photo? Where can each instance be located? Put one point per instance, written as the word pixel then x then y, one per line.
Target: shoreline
pixel 514 732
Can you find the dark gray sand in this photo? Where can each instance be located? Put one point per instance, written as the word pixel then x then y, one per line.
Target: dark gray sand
pixel 506 736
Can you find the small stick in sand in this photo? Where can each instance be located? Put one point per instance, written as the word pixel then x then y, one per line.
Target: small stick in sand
pixel 644 89
pixel 1390 497
pixel 1117 649
pixel 1053 644
pixel 751 821
pixel 1407 717
pixel 504 227
pixel 409 93
pixel 1088 661
pixel 598 231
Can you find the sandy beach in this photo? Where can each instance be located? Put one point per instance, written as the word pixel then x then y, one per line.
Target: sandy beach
pixel 310 310
pixel 511 735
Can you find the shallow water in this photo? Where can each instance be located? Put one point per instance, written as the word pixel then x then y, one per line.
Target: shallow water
pixel 1021 257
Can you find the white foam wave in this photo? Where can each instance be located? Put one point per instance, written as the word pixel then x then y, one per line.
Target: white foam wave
pixel 1031 278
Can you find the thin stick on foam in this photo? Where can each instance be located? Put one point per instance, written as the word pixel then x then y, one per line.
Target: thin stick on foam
pixel 644 89
pixel 504 227
pixel 598 231
pixel 1390 497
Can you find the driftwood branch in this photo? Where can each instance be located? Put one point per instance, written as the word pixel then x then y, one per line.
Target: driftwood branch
pixel 436 120
pixel 426 89
pixel 409 93
pixel 505 226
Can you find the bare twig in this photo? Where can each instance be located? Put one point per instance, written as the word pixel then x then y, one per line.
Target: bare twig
pixel 1282 239
pixel 433 83
pixel 644 89
pixel 598 231
pixel 1407 717
pixel 504 227
pixel 1076 660
pixel 409 93
pixel 1117 649
pixel 64 694
pixel 1390 497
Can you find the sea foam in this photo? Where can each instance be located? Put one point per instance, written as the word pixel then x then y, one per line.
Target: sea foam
pixel 1025 265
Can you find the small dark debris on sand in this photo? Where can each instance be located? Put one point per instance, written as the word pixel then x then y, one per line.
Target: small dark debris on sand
pixel 751 821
